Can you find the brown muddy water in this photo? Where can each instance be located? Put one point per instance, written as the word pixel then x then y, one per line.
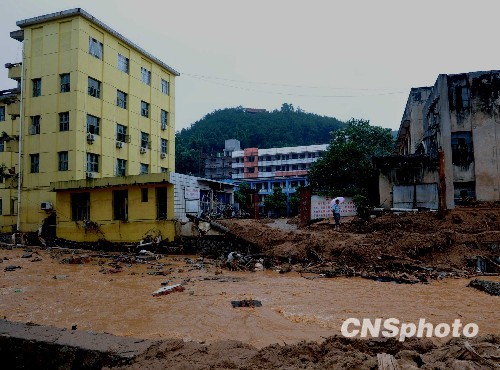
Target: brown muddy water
pixel 293 308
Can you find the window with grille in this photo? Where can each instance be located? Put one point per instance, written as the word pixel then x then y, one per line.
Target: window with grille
pixel 95 48
pixel 37 87
pixel 144 169
pixel 121 133
pixel 93 124
pixel 94 88
pixel 164 146
pixel 145 76
pixel 63 161
pixel 64 121
pixel 35 125
pixel 121 99
pixel 92 162
pixel 65 82
pixel 144 109
pixel 123 63
pixel 121 167
pixel 145 140
pixel 34 163
pixel 164 119
pixel 165 88
pixel 80 206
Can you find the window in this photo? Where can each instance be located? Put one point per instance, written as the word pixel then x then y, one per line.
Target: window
pixel 164 146
pixel 64 121
pixel 34 163
pixel 462 151
pixel 164 119
pixel 2 113
pixel 123 63
pixel 35 125
pixel 121 99
pixel 92 124
pixel 2 145
pixel 145 76
pixel 462 97
pixel 144 195
pixel 161 203
pixel 92 162
pixel 120 205
pixel 63 161
pixel 145 140
pixel 95 48
pixel 165 87
pixel 144 169
pixel 65 82
pixel 94 88
pixel 144 109
pixel 80 206
pixel 37 86
pixel 121 133
pixel 164 169
pixel 121 167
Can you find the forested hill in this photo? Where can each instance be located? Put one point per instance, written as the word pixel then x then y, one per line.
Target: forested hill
pixel 284 127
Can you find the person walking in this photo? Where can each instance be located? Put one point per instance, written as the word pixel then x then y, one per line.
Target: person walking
pixel 336 214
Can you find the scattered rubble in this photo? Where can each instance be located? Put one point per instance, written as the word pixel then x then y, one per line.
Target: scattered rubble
pixel 490 287
pixel 168 289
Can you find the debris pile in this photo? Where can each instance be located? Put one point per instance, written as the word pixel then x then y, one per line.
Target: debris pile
pixel 405 248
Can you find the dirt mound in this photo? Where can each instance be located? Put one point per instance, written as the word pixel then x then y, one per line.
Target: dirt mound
pixel 334 353
pixel 443 242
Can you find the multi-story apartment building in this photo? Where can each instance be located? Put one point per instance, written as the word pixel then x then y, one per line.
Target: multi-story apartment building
pixel 447 145
pixel 219 166
pixel 94 119
pixel 252 163
pixel 267 169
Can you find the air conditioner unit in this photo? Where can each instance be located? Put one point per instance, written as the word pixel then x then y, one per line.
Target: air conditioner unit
pixel 163 155
pixel 143 150
pixel 90 138
pixel 119 144
pixel 46 206
pixel 90 175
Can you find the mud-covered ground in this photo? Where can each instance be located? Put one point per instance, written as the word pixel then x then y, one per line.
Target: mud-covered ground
pixel 298 325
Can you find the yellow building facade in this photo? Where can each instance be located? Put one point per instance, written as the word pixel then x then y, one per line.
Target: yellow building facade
pixel 96 111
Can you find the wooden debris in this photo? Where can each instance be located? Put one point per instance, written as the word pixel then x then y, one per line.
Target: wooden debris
pixel 480 358
pixel 387 362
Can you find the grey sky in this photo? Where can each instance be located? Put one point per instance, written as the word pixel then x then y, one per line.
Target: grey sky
pixel 341 59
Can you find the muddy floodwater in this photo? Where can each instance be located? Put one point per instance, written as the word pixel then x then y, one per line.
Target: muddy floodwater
pixel 293 308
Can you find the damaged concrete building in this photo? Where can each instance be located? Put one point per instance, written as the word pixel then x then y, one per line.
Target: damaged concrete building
pixel 447 145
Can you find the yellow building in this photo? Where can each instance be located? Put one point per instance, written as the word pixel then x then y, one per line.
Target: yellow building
pixel 97 133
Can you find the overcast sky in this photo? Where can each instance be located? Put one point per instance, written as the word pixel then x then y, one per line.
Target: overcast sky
pixel 340 59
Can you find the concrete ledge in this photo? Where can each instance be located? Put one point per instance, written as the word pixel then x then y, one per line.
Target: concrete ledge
pixel 25 346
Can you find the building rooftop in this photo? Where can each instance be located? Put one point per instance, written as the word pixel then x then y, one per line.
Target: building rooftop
pixel 79 11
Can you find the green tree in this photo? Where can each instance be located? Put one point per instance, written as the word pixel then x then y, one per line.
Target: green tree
pixel 240 195
pixel 346 168
pixel 276 202
pixel 282 127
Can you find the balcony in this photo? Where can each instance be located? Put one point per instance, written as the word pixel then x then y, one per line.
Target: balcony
pixel 14 71
pixel 14 109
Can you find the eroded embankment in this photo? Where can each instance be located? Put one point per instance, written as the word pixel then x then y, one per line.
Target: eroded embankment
pixel 41 347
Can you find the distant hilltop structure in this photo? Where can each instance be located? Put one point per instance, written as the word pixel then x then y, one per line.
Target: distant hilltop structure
pixel 254 110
